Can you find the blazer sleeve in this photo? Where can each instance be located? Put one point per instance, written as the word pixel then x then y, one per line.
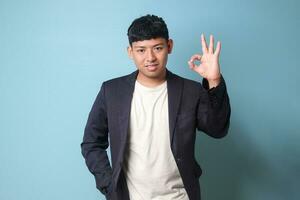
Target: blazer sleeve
pixel 95 142
pixel 213 114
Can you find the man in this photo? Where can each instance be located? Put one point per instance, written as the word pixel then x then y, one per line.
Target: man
pixel 151 117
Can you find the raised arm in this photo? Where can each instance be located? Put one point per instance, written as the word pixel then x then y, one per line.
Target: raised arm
pixel 213 115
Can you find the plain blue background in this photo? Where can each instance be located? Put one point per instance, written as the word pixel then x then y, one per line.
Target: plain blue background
pixel 54 55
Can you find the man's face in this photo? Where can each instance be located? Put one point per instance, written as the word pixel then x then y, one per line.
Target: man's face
pixel 150 57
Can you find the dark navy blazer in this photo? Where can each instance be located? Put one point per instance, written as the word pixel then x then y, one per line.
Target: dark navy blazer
pixel 192 107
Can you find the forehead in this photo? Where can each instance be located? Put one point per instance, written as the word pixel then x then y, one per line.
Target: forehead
pixel 149 43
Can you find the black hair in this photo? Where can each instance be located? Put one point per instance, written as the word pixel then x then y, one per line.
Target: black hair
pixel 147 27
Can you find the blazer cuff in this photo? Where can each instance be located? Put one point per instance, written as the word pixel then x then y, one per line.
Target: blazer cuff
pixel 215 90
pixel 104 182
pixel 216 94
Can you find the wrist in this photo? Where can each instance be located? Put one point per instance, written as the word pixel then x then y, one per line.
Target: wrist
pixel 213 82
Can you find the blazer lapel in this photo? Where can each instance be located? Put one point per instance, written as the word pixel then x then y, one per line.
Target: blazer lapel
pixel 174 86
pixel 125 108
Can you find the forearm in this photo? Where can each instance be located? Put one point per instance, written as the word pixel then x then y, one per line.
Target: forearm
pixel 94 152
pixel 97 161
pixel 215 110
pixel 218 119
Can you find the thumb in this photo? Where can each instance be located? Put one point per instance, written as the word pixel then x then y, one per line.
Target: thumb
pixel 193 59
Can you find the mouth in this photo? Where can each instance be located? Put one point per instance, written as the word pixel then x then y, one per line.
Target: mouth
pixel 152 67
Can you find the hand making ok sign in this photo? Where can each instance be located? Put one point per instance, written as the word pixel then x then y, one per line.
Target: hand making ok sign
pixel 209 67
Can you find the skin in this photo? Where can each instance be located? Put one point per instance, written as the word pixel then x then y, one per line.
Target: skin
pixel 209 66
pixel 151 56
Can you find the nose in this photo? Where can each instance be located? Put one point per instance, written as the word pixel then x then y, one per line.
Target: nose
pixel 151 56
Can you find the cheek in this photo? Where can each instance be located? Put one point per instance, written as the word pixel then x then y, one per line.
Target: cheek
pixel 139 61
pixel 163 58
pixel 136 58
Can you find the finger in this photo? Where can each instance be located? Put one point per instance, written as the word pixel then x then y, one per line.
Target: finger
pixel 194 67
pixel 195 57
pixel 203 43
pixel 192 60
pixel 199 69
pixel 211 44
pixel 191 65
pixel 218 48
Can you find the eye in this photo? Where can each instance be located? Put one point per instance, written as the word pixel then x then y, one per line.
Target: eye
pixel 140 50
pixel 159 48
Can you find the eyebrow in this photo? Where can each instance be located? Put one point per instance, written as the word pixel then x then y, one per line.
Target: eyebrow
pixel 159 44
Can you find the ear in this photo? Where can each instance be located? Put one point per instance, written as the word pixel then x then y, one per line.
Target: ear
pixel 129 52
pixel 170 46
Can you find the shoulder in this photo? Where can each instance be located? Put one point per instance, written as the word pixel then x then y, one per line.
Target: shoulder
pixel 190 88
pixel 187 83
pixel 119 82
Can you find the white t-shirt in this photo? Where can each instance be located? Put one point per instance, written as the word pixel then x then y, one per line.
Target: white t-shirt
pixel 150 168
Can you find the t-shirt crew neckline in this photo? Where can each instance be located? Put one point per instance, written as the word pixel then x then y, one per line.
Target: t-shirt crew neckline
pixel 151 89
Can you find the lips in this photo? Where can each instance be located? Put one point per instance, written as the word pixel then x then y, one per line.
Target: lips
pixel 152 67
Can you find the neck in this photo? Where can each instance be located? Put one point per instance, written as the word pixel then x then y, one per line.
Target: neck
pixel 151 82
